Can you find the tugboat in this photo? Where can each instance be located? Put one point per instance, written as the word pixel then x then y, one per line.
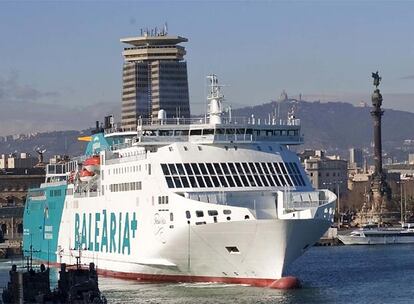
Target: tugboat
pixel 76 285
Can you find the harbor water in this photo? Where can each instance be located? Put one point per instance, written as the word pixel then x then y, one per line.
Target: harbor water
pixel 343 274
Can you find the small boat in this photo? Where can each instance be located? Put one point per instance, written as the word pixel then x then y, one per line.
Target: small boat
pixel 86 175
pixel 76 285
pixel 92 163
pixel 378 236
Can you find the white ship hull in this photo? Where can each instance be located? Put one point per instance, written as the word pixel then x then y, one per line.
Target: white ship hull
pixel 198 252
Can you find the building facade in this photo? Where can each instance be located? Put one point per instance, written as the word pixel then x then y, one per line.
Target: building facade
pixel 326 172
pixel 356 158
pixel 17 161
pixel 154 78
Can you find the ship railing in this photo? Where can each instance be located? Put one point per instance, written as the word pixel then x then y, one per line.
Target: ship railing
pixel 224 121
pixel 305 200
pixel 120 146
pixel 305 204
pixel 86 193
pixel 125 159
pixel 116 129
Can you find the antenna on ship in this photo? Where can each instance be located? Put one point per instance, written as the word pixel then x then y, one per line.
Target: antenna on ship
pixel 215 99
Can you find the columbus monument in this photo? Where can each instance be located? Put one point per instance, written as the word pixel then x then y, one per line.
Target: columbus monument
pixel 380 190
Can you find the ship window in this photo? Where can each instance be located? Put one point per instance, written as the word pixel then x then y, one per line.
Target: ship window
pixel 208 181
pixel 252 168
pixel 232 168
pixel 172 169
pixel 195 132
pixel 188 214
pixel 238 181
pixel 195 168
pixel 199 148
pixel 169 182
pixel 199 213
pixel 208 131
pixel 212 212
pixel 210 169
pixel 226 211
pixel 215 181
pixel 246 168
pixel 245 182
pixel 239 131
pixel 184 181
pixel 200 181
pixel 185 148
pixel 180 169
pixel 203 169
pixel 171 216
pixel 223 181
pixel 258 181
pixel 251 180
pixel 177 182
pixel 193 181
pixel 225 169
pixel 165 169
pixel 270 167
pixel 218 169
pixel 239 168
pixel 230 181
pixel 188 169
pixel 259 168
pixel 219 131
pixel 263 178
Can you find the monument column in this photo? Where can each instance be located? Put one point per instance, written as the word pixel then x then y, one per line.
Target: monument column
pixel 379 187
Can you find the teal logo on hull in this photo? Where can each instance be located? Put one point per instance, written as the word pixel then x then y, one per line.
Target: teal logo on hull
pixel 105 232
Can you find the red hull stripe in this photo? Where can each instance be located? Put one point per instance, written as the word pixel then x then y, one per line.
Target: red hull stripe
pixel 282 283
pixel 183 278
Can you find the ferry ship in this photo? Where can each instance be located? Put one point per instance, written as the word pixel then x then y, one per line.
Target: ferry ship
pixel 213 199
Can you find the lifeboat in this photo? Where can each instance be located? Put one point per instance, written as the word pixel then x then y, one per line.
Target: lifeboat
pixel 72 176
pixel 92 163
pixel 86 175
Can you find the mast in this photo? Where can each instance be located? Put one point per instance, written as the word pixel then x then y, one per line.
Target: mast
pixel 215 99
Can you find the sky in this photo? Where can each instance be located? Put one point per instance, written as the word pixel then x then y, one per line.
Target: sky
pixel 63 58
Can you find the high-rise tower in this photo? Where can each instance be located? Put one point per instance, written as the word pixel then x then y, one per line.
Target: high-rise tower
pixel 154 77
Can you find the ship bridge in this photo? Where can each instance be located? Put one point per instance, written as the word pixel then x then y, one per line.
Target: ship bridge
pixel 198 130
pixel 240 130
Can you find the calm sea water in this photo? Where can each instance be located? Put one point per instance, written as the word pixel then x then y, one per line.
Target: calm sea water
pixel 362 274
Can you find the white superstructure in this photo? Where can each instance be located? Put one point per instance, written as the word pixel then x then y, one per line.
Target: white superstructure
pixel 212 199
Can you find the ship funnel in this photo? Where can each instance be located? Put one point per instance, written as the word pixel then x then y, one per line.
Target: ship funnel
pixel 215 99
